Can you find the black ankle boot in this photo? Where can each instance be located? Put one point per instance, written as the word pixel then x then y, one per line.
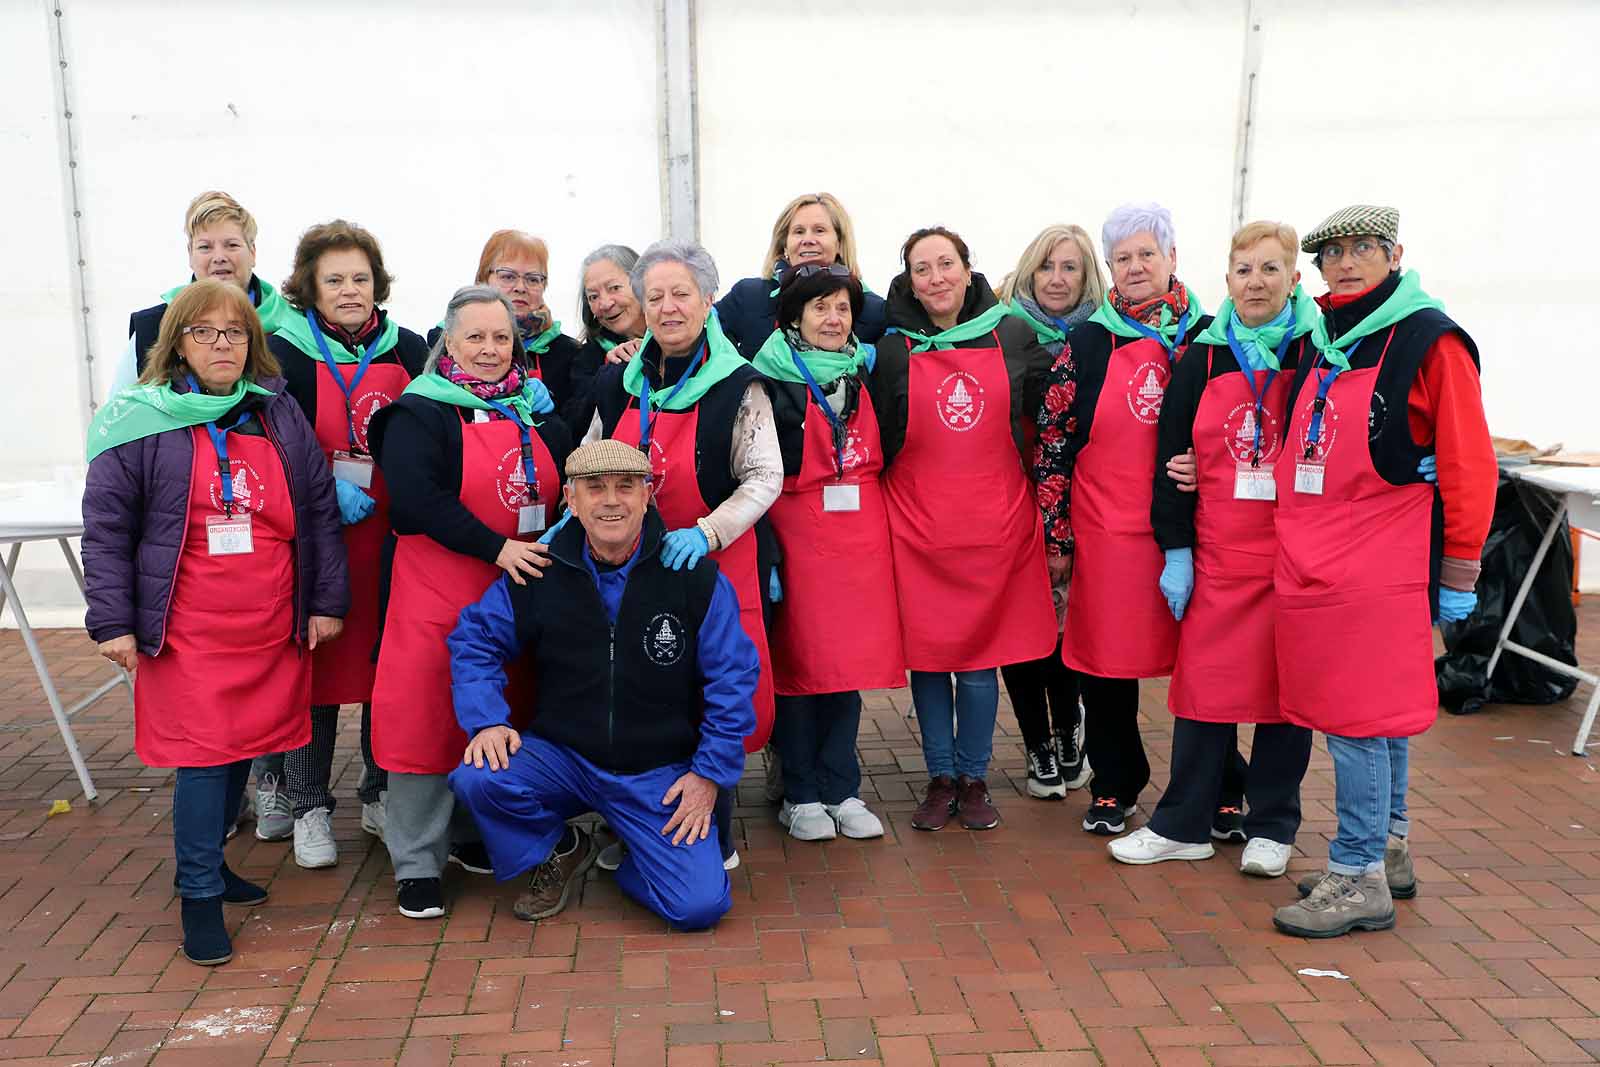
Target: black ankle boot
pixel 236 890
pixel 205 938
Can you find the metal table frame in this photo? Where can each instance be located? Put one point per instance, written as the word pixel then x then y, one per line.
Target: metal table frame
pixel 61 715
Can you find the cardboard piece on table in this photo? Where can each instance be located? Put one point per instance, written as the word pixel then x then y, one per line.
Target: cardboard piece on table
pixel 1570 459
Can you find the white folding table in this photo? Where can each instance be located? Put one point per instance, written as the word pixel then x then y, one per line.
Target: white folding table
pixel 47 511
pixel 1572 487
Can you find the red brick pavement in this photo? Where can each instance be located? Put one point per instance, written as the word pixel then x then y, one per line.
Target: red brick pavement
pixel 1022 947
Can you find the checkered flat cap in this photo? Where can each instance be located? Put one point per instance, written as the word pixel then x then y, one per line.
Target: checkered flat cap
pixel 1354 221
pixel 607 457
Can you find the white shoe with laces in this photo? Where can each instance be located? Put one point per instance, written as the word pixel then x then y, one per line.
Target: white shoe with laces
pixel 375 816
pixel 274 816
pixel 854 820
pixel 1265 858
pixel 314 846
pixel 1144 845
pixel 807 822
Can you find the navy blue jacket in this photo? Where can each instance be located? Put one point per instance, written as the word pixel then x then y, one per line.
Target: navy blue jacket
pixel 749 314
pixel 638 667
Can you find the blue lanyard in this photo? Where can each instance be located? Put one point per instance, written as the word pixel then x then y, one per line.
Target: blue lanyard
pixel 1320 404
pixel 646 420
pixel 1156 336
pixel 219 441
pixel 837 423
pixel 530 469
pixel 1250 380
pixel 348 390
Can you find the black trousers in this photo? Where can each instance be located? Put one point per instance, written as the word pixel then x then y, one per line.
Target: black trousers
pixel 1043 691
pixel 308 770
pixel 1206 763
pixel 815 737
pixel 1115 748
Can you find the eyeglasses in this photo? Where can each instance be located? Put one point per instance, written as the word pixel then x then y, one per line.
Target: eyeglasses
pixel 810 270
pixel 532 280
pixel 1362 249
pixel 207 335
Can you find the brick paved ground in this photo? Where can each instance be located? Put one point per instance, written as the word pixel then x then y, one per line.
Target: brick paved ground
pixel 1025 946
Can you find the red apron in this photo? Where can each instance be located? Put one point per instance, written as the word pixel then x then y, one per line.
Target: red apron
pixel 677 497
pixel 966 534
pixel 414 728
pixel 1226 670
pixel 342 671
pixel 230 681
pixel 1354 638
pixel 837 628
pixel 1118 623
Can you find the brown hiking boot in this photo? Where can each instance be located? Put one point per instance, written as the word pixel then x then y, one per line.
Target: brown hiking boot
pixel 1397 870
pixel 1339 904
pixel 554 879
pixel 937 805
pixel 973 805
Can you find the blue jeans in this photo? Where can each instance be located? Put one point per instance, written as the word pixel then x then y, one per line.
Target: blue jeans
pixel 1369 793
pixel 204 803
pixel 958 732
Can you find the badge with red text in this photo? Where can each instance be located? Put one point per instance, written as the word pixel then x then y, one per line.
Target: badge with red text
pixel 229 535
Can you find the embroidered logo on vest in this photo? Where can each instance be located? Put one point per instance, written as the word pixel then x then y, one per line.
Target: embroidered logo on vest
pixel 366 406
pixel 1147 387
pixel 959 401
pixel 1239 433
pixel 855 451
pixel 510 482
pixel 1377 415
pixel 247 487
pixel 664 640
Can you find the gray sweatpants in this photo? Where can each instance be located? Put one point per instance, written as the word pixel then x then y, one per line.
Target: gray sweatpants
pixel 422 820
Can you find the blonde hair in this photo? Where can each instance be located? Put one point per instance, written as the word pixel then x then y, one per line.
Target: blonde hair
pixel 214 206
pixel 1020 281
pixel 164 359
pixel 841 229
pixel 1252 232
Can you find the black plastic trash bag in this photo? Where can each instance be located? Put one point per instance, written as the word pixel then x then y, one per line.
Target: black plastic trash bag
pixel 1547 623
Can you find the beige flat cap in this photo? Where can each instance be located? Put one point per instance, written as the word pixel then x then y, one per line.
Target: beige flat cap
pixel 607 457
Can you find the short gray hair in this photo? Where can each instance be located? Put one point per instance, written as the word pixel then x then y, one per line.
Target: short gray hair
pixel 1140 216
pixel 692 255
pixel 466 296
pixel 622 257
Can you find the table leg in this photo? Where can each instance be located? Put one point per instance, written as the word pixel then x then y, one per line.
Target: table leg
pixel 1527 584
pixel 11 568
pixel 37 655
pixel 1582 739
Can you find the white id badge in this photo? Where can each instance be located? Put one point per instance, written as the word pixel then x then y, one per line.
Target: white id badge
pixel 353 468
pixel 841 496
pixel 1254 483
pixel 530 518
pixel 1308 478
pixel 227 536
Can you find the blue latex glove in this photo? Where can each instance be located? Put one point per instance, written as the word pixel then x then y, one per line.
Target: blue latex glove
pixel 354 505
pixel 550 534
pixel 683 547
pixel 1454 605
pixel 539 397
pixel 774 587
pixel 1177 580
pixel 1429 468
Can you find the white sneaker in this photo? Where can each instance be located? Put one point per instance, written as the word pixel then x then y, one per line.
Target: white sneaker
pixel 1144 845
pixel 807 822
pixel 274 816
pixel 375 817
pixel 731 862
pixel 1265 858
pixel 313 839
pixel 853 819
pixel 610 857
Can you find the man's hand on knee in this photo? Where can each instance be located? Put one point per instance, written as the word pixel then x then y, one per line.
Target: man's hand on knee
pixel 696 796
pixel 496 744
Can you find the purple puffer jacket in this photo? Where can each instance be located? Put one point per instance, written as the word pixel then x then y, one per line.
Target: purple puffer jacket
pixel 136 507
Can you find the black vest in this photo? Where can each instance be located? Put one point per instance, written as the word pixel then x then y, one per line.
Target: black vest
pixel 628 698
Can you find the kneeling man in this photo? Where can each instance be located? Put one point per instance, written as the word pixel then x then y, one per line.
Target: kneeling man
pixel 645 682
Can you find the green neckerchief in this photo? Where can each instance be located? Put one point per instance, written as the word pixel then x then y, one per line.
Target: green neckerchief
pixel 775 359
pixel 273 310
pixel 146 410
pixel 541 344
pixel 722 359
pixel 297 331
pixel 1267 337
pixel 961 331
pixel 436 386
pixel 605 345
pixel 1406 298
pixel 1111 319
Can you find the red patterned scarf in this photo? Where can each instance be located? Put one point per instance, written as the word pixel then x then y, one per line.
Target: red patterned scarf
pixel 1149 311
pixel 510 385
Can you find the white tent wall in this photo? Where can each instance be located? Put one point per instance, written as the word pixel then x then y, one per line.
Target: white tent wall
pixel 438 123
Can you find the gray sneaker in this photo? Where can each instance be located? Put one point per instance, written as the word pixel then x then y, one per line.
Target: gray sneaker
pixel 1396 869
pixel 1337 905
pixel 274 816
